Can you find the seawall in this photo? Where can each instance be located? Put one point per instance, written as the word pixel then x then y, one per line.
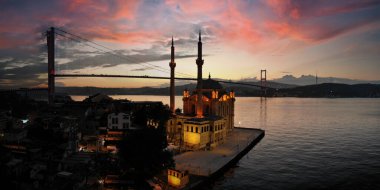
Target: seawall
pixel 206 166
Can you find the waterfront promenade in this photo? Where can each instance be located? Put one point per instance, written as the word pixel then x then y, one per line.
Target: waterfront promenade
pixel 206 163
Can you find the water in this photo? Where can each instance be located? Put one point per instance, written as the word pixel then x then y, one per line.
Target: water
pixel 310 143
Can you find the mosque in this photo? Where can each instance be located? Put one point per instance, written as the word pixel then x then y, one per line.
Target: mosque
pixel 208 111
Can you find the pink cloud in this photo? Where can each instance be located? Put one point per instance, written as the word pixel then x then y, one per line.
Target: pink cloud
pixel 244 24
pixel 238 28
pixel 223 19
pixel 107 34
pixel 100 20
pixel 308 9
pixel 284 30
pixel 301 20
pixel 192 8
pixel 118 9
pixel 6 43
pixel 126 9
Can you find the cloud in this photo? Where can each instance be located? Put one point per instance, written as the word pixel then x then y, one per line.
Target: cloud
pixel 318 8
pixel 31 70
pixel 313 22
pixel 144 27
pixel 141 22
pixel 103 60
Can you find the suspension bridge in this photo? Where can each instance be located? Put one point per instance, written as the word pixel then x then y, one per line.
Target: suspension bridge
pixel 51 36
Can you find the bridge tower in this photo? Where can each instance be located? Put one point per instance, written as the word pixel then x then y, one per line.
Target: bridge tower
pixel 263 82
pixel 172 86
pixel 51 59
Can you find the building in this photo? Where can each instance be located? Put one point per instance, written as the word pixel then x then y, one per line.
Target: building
pixel 208 112
pixel 13 135
pixel 177 178
pixel 119 121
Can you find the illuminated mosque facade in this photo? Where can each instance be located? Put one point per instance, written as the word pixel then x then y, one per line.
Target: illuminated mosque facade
pixel 208 111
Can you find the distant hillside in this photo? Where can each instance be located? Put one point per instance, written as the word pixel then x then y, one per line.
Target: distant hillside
pixel 331 90
pixel 321 90
pixel 311 80
pixel 227 85
pixel 241 90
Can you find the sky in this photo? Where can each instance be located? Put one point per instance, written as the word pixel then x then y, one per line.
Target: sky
pixel 339 38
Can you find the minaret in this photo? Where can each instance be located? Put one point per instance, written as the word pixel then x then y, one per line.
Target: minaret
pixel 199 78
pixel 172 90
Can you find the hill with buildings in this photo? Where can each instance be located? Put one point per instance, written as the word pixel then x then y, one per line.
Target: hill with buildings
pixel 241 90
pixel 331 90
pixel 312 79
pixel 320 90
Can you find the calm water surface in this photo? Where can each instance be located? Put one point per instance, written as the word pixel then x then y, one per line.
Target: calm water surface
pixel 309 143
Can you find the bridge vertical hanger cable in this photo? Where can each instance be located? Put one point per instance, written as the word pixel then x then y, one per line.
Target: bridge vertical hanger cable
pixel 112 50
pixel 81 39
pixel 81 44
pixel 107 52
pixel 98 49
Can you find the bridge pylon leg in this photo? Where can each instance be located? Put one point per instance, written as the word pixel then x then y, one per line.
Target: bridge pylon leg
pixel 51 59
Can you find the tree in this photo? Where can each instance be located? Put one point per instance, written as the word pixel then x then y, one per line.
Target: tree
pixel 144 151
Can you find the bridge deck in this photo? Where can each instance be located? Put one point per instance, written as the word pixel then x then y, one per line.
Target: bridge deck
pixel 153 77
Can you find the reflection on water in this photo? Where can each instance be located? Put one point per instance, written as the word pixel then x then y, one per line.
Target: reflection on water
pixel 263 112
pixel 310 143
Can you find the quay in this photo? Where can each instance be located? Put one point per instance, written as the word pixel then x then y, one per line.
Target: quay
pixel 204 166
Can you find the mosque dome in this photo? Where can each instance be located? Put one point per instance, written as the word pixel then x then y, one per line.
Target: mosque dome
pixel 211 84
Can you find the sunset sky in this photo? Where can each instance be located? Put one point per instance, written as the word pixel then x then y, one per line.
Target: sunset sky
pixel 339 38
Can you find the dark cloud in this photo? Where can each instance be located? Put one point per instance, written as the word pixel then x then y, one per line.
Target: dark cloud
pixel 31 70
pixel 111 60
pixel 141 69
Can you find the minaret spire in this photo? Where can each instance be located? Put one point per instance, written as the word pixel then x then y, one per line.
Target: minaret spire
pixel 172 52
pixel 199 78
pixel 172 65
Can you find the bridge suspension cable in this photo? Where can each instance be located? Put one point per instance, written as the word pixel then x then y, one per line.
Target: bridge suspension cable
pixel 86 42
pixel 110 51
pixel 154 77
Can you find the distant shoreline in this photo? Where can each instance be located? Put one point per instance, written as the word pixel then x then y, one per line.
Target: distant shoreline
pixel 325 90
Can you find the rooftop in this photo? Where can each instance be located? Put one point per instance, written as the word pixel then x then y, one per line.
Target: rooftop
pixel 203 119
